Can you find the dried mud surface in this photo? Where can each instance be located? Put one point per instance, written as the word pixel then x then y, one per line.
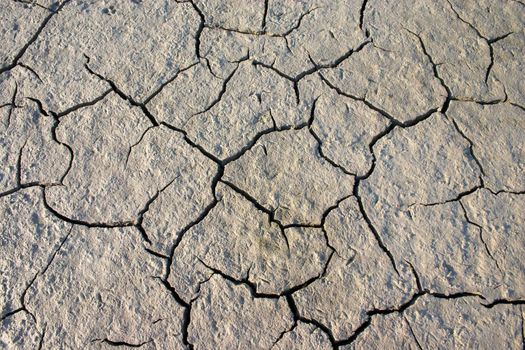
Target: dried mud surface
pixel 270 174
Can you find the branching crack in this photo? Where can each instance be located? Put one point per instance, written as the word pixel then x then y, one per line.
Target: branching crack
pixel 33 38
pixel 480 228
pixel 121 94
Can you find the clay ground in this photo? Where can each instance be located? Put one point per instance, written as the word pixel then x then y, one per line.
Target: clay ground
pixel 262 174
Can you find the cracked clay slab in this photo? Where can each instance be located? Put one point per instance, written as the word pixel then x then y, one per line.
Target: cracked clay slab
pixel 262 174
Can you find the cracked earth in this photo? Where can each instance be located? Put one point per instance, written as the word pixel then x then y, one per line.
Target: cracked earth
pixel 262 174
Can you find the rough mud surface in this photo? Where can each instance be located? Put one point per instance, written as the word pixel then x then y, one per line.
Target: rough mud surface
pixel 262 174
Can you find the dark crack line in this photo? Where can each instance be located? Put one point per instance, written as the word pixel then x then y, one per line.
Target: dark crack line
pixel 263 31
pixel 186 320
pixel 260 207
pixel 11 106
pixel 37 274
pixel 359 99
pixel 488 41
pixel 458 197
pixel 35 36
pixel 180 235
pixel 121 94
pixel 82 105
pixel 480 236
pixel 202 23
pixel 41 341
pixel 31 70
pixel 412 333
pixel 138 142
pixel 265 14
pixel 62 217
pixel 121 343
pixel 362 14
pixel 253 286
pixel 320 143
pixel 167 82
pixel 372 228
pixel 143 211
pixel 283 333
pixel 315 67
pixel 504 302
pixel 400 310
pixel 434 65
pixel 297 317
pixel 219 97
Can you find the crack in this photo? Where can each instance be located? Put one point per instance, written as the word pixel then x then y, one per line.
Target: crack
pixel 167 82
pixel 362 15
pixel 186 320
pixel 446 104
pixel 400 310
pixel 458 197
pixel 121 343
pixel 320 143
pixel 297 317
pixel 481 237
pixel 283 333
pixel 33 38
pixel 412 333
pixel 181 233
pixel 372 228
pixel 18 177
pixel 221 93
pixel 140 216
pixel 260 207
pixel 121 94
pixel 504 302
pixel 265 14
pixel 488 41
pixel 253 286
pixel 416 276
pixel 82 105
pixel 31 70
pixel 263 31
pixel 137 143
pixel 12 106
pixel 295 80
pixel 41 341
pixel 23 308
pixel 202 24
pixel 111 224
pixel 360 99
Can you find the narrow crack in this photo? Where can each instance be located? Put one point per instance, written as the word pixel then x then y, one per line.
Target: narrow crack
pixel 480 228
pixel 143 211
pixel 23 307
pixel 121 94
pixel 33 38
pixel 167 82
pixel 446 104
pixel 202 23
pixel 260 207
pixel 295 80
pixel 82 105
pixel 31 70
pixel 372 228
pixel 265 14
pixel 362 15
pixel 12 106
pixel 320 143
pixel 488 41
pixel 504 302
pixel 412 333
pixel 121 343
